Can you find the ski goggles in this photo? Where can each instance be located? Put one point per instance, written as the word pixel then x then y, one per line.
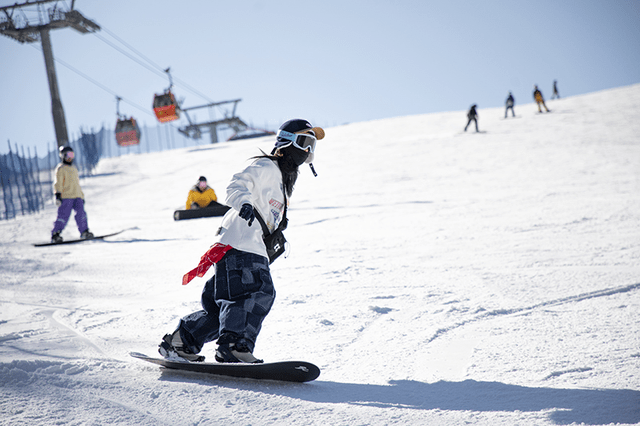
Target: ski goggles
pixel 69 155
pixel 303 141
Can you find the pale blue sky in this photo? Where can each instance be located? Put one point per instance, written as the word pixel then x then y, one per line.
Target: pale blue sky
pixel 328 61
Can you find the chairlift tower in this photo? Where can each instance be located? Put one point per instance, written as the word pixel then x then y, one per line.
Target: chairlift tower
pixel 19 27
pixel 195 130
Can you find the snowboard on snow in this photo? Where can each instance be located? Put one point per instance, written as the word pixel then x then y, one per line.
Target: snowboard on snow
pixel 213 209
pixel 288 371
pixel 79 240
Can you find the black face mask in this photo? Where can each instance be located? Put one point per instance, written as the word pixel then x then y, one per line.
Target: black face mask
pixel 293 158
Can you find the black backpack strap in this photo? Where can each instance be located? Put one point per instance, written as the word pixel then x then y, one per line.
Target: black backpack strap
pixel 265 229
pixel 283 222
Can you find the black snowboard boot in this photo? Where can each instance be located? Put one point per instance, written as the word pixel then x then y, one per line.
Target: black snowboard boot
pixel 234 351
pixel 86 235
pixel 172 348
pixel 56 238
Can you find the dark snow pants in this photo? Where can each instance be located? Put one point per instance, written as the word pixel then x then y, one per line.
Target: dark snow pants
pixel 507 110
pixel 64 212
pixel 236 299
pixel 469 122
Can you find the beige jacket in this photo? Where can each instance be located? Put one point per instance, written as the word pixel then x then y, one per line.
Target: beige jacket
pixel 67 182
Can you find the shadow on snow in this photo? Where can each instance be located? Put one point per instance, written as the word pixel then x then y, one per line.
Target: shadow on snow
pixel 589 406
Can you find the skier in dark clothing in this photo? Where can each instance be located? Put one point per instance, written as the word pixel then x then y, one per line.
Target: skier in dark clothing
pixel 555 90
pixel 510 103
pixel 472 115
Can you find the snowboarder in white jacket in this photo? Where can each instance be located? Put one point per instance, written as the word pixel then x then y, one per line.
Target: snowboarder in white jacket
pixel 239 296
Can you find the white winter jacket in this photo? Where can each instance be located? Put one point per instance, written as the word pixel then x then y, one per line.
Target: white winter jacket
pixel 260 185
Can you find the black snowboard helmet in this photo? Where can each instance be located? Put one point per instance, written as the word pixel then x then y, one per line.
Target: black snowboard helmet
pixel 64 154
pixel 292 145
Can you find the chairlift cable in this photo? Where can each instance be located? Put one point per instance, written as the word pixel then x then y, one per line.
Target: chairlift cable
pixel 100 85
pixel 157 68
pixel 137 52
pixel 133 58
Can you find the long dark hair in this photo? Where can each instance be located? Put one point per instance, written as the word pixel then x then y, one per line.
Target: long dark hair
pixel 287 167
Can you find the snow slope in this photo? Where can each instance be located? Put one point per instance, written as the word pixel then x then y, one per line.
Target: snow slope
pixel 435 276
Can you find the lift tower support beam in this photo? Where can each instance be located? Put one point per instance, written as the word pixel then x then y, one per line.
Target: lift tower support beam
pixel 23 31
pixel 59 120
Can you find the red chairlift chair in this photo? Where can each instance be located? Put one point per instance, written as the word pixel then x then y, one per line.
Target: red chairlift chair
pixel 127 132
pixel 165 107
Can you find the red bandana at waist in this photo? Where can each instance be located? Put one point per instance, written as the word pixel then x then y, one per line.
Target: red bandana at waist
pixel 211 257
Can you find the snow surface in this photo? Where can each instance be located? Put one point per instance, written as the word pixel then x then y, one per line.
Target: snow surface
pixel 435 276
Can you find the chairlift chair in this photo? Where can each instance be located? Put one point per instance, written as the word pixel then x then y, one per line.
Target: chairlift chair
pixel 165 107
pixel 127 132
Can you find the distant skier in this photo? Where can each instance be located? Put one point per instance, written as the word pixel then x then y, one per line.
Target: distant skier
pixel 69 196
pixel 239 296
pixel 555 95
pixel 509 103
pixel 201 195
pixel 537 95
pixel 472 115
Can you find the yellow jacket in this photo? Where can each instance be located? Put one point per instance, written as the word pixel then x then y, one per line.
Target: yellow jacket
pixel 202 198
pixel 67 182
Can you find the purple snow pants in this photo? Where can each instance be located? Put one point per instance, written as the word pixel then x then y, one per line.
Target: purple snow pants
pixel 64 212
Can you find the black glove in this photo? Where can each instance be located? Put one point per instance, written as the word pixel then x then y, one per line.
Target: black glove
pixel 58 198
pixel 247 213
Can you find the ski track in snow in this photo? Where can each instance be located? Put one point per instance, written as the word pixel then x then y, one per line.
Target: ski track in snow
pixel 435 276
pixel 525 310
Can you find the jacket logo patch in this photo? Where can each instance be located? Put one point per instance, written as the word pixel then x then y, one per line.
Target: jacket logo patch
pixel 275 203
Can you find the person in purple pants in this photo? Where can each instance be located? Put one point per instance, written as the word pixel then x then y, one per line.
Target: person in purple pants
pixel 69 196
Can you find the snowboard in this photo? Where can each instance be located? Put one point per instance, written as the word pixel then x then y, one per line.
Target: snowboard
pixel 287 371
pixel 79 240
pixel 213 209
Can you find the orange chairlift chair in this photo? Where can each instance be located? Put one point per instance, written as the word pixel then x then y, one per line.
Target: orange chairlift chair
pixel 165 106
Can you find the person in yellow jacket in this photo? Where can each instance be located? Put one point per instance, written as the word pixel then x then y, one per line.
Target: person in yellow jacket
pixel 201 195
pixel 69 196
pixel 537 96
